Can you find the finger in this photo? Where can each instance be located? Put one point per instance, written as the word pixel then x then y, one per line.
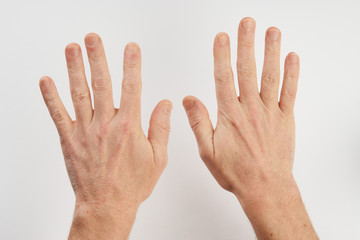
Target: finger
pixel 159 130
pixel 246 65
pixel 271 71
pixel 100 78
pixel 290 83
pixel 224 78
pixel 201 125
pixel 56 108
pixel 130 104
pixel 78 85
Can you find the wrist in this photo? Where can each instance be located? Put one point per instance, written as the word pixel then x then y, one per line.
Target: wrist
pixel 269 193
pixel 276 211
pixel 102 221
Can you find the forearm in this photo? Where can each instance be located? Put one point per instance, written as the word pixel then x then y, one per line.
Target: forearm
pixel 279 213
pixel 102 222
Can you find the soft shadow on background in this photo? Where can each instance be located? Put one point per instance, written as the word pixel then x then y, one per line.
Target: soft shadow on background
pixel 36 199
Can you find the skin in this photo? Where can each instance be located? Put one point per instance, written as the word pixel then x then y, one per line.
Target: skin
pixel 251 150
pixel 113 167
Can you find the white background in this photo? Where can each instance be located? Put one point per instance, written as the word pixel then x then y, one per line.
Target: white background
pixel 176 37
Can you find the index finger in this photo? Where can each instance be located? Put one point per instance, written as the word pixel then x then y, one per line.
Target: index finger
pixel 224 78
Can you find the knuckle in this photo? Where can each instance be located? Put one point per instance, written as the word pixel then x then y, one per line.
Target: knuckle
pixel 102 132
pixel 74 68
pixel 245 70
pixel 131 87
pixel 224 76
pixel 94 58
pixel 125 127
pixel 164 128
pixel 245 42
pixel 100 83
pixel 291 76
pixel 291 94
pixel 57 116
pixel 269 79
pixel 255 121
pixel 79 96
pixel 50 100
pixel 272 51
pixel 130 65
pixel 160 125
pixel 195 124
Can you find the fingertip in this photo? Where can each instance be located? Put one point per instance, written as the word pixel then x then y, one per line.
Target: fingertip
pixel 273 28
pixel 132 45
pixel 132 50
pixel 166 105
pixel 293 58
pixel 91 34
pixel 44 82
pixel 189 102
pixel 72 49
pixel 273 33
pixel 189 97
pixel 91 39
pixel 248 24
pixel 222 39
pixel 245 19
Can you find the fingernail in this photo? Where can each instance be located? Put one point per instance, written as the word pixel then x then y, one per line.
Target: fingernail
pixel 223 39
pixel 131 49
pixel 248 25
pixel 44 83
pixel 293 58
pixel 188 105
pixel 91 40
pixel 72 51
pixel 274 34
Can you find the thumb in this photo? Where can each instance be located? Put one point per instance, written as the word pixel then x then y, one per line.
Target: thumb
pixel 201 125
pixel 159 130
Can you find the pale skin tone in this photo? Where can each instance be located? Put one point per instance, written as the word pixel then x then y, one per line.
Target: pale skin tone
pixel 113 167
pixel 250 152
